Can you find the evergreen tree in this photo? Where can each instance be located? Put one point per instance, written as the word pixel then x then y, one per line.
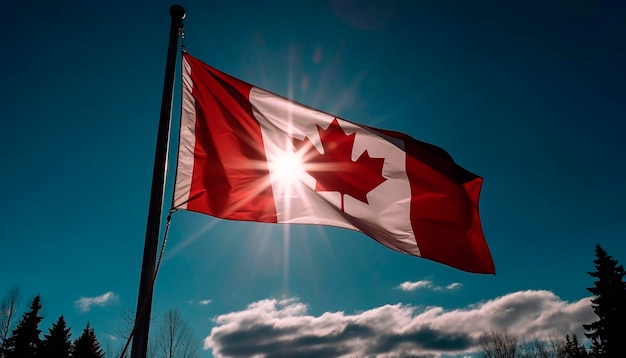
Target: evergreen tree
pixel 573 349
pixel 609 304
pixel 24 341
pixel 57 344
pixel 87 345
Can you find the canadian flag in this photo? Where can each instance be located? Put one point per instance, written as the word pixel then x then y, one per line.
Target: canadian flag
pixel 248 154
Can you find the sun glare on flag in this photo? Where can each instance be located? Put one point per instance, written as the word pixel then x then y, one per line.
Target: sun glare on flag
pixel 287 168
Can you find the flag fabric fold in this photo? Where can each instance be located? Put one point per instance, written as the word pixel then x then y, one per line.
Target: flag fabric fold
pixel 248 154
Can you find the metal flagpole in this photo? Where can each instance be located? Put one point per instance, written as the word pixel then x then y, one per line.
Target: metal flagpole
pixel 146 282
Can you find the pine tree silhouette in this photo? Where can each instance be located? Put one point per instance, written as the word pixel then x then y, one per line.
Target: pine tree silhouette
pixel 24 342
pixel 609 304
pixel 57 344
pixel 573 349
pixel 87 345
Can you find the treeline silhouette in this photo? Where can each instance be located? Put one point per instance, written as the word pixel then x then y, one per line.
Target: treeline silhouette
pixel 605 334
pixel 173 339
pixel 25 341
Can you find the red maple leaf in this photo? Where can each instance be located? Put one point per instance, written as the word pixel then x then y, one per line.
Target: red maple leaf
pixel 334 170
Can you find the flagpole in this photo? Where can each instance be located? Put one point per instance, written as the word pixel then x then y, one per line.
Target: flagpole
pixel 146 282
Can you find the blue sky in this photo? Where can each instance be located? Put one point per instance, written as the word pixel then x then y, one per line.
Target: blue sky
pixel 529 95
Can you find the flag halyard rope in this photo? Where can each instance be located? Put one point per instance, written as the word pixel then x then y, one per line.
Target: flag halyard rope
pixel 181 33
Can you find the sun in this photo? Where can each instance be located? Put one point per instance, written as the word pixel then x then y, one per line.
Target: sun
pixel 287 168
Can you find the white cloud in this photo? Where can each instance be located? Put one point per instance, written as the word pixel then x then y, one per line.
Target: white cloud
pixel 204 302
pixel 454 286
pixel 84 304
pixel 412 286
pixel 283 328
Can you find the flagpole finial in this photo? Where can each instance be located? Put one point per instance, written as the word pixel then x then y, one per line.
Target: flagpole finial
pixel 178 12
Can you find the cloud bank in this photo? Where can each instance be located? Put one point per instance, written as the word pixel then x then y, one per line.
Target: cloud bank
pixel 84 304
pixel 283 328
pixel 412 286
